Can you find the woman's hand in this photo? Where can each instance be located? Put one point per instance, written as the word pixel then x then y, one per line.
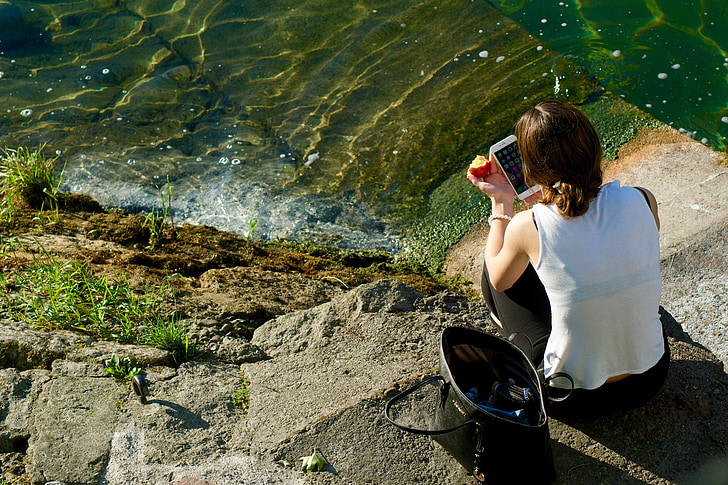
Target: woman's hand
pixel 495 185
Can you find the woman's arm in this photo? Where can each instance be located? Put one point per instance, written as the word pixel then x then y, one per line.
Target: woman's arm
pixel 510 244
pixel 507 249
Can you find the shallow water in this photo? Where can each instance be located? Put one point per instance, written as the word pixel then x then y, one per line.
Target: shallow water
pixel 335 121
pixel 323 119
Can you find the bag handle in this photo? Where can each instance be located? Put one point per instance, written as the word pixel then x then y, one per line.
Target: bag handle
pixel 403 394
pixel 513 336
pixel 555 376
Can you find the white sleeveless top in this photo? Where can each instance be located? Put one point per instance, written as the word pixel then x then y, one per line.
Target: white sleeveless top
pixel 601 271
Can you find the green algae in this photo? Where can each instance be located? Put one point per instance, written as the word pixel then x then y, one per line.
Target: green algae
pixel 454 207
pixel 617 122
pixel 667 57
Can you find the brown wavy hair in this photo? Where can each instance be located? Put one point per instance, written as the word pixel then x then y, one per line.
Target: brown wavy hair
pixel 561 152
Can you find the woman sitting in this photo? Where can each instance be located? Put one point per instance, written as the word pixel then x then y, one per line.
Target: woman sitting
pixel 579 273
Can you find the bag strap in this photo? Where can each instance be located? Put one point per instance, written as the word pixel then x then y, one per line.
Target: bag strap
pixel 554 376
pixel 428 432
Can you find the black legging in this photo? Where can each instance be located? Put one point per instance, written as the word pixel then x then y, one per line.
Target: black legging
pixel 525 309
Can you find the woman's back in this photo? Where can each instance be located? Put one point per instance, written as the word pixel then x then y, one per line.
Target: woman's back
pixel 601 274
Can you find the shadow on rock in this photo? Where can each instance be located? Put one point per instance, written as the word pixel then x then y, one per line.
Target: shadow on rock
pixel 675 330
pixel 670 439
pixel 189 419
pixel 684 427
pixel 363 447
pixel 574 466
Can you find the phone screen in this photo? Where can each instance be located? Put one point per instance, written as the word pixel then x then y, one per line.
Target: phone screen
pixel 509 158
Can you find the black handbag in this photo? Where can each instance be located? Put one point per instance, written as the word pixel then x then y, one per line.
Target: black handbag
pixel 489 412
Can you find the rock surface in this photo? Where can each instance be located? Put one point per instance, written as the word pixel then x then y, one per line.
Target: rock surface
pixel 318 375
pixel 323 387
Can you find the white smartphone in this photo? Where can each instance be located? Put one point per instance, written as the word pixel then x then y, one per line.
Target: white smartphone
pixel 509 160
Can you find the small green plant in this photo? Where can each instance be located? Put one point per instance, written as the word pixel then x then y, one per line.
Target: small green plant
pixel 168 334
pixel 121 369
pixel 253 227
pixel 240 396
pixel 156 221
pixel 28 178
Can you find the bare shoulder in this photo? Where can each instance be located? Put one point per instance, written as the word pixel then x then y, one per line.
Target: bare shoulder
pixel 523 221
pixel 524 233
pixel 652 202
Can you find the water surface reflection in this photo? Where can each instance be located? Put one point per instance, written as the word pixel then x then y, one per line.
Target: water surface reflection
pixel 324 119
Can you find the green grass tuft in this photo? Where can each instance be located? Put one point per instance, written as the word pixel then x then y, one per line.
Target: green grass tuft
pixel 28 178
pixel 66 295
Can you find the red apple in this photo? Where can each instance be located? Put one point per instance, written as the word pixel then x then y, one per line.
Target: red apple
pixel 480 167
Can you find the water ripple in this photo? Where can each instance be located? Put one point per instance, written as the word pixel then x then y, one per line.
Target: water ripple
pixel 336 104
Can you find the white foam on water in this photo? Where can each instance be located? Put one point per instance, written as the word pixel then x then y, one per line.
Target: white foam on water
pixel 311 158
